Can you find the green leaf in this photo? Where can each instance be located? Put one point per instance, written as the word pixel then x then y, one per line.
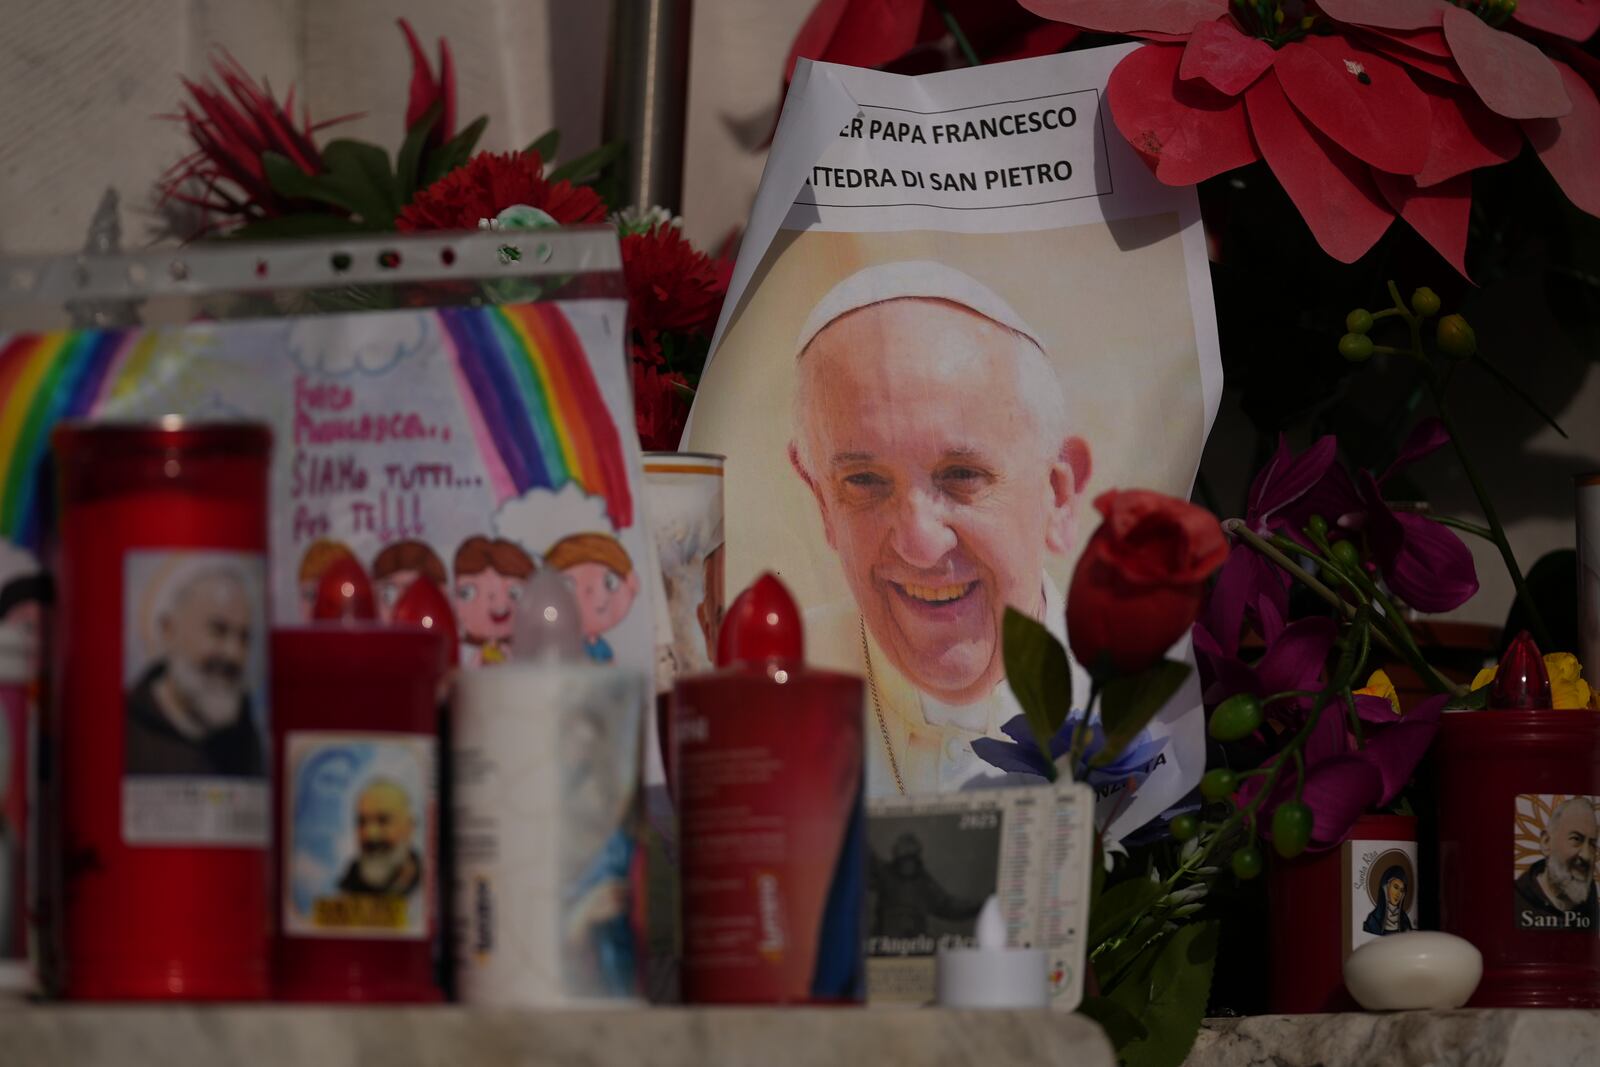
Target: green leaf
pixel 589 164
pixel 1168 995
pixel 410 156
pixel 286 177
pixel 1111 966
pixel 355 178
pixel 1119 906
pixel 1130 701
pixel 297 226
pixel 1477 700
pixel 546 144
pixel 358 179
pixel 1122 1027
pixel 453 153
pixel 1039 674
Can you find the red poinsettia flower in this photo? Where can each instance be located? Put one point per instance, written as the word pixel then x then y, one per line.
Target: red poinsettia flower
pixel 428 89
pixel 489 183
pixel 672 286
pixel 231 127
pixel 913 36
pixel 1363 109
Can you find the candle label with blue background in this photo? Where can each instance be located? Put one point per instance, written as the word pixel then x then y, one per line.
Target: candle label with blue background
pixel 359 815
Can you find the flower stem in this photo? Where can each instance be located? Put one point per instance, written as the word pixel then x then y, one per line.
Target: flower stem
pixel 961 38
pixel 1081 735
pixel 1497 532
pixel 1402 646
pixel 1462 524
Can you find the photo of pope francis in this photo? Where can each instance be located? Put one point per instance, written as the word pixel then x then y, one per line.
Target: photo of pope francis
pixel 931 430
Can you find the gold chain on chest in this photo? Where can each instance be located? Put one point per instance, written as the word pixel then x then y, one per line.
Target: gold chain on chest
pixel 877 707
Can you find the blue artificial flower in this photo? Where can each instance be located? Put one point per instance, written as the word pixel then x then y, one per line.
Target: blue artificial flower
pixel 1021 755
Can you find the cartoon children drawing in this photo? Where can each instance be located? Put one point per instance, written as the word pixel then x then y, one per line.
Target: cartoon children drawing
pixel 319 556
pixel 603 581
pixel 400 564
pixel 489 582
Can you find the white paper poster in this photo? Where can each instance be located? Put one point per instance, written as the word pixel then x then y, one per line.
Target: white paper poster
pixel 962 310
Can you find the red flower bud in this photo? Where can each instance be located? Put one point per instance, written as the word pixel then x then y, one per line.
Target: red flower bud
pixel 1141 579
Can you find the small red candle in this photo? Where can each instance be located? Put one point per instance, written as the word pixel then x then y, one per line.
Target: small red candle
pixel 160 668
pixel 355 763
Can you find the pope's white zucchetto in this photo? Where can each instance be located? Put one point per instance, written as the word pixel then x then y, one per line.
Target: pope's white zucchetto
pixel 912 279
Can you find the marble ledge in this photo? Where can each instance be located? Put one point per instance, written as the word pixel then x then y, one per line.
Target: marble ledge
pixel 1480 1038
pixel 271 1036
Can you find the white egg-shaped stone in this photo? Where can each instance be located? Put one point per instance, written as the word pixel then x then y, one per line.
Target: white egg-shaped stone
pixel 1419 970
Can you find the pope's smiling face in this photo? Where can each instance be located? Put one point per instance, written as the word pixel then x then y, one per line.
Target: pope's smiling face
pixel 931 438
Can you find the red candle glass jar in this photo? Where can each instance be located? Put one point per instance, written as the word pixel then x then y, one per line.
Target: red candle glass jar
pixel 355 767
pixel 161 709
pixel 1517 852
pixel 1325 905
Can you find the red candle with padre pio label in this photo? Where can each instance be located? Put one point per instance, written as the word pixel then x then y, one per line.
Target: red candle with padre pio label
pixel 356 764
pixel 161 672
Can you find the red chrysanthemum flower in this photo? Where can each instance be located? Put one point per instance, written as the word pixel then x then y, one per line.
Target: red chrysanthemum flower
pixel 231 127
pixel 660 407
pixel 912 36
pixel 1363 109
pixel 489 183
pixel 672 287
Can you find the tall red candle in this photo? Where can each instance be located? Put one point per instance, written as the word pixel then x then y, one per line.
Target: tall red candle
pixel 161 707
pixel 355 761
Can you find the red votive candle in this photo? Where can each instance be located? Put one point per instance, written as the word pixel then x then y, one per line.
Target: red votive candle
pixel 160 673
pixel 355 761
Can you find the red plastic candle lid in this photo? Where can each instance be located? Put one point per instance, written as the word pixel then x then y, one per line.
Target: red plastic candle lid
pixel 1521 683
pixel 168 434
pixel 344 592
pixel 762 624
pixel 424 604
pixel 98 460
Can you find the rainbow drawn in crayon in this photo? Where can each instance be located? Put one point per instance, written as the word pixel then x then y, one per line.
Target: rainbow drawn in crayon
pixel 535 406
pixel 45 378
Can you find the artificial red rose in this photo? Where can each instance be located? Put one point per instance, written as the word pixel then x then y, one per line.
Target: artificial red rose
pixel 1141 580
pixel 491 182
pixel 672 286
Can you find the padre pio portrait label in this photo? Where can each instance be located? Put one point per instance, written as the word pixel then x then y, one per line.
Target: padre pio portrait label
pixel 359 824
pixel 194 703
pixel 1556 837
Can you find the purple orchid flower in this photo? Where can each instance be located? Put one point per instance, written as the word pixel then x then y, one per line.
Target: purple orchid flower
pixel 1021 755
pixel 1424 563
pixel 1343 779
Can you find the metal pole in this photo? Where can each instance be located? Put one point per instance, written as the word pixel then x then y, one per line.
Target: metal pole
pixel 647 97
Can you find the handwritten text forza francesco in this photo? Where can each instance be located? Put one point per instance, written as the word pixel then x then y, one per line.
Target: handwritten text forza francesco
pixel 951 132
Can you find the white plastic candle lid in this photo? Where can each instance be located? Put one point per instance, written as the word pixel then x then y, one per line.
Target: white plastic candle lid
pixel 16 656
pixel 991 975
